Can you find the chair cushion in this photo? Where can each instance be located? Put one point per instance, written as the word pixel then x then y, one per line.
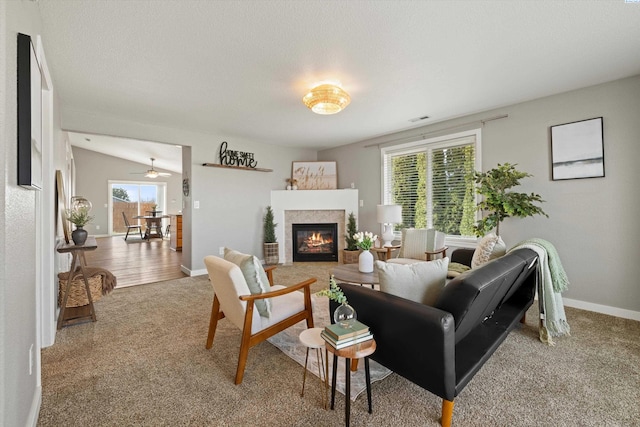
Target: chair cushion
pixel 456 269
pixel 490 247
pixel 254 275
pixel 414 243
pixel 421 282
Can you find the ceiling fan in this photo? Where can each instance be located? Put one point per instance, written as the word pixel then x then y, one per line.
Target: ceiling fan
pixel 152 173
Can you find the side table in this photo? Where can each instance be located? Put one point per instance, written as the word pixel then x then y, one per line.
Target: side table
pixel 356 351
pixel 384 253
pixel 77 260
pixel 312 339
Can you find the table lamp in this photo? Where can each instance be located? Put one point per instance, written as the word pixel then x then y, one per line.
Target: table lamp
pixel 389 215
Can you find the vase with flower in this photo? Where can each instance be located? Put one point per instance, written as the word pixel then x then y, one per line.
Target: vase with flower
pixel 79 216
pixel 364 240
pixel 344 315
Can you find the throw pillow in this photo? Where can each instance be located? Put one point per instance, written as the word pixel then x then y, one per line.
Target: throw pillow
pixel 420 282
pixel 456 269
pixel 490 247
pixel 255 277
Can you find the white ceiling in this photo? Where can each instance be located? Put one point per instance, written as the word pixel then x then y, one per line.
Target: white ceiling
pixel 240 68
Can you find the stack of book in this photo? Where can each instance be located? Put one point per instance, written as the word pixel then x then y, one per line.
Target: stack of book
pixel 339 337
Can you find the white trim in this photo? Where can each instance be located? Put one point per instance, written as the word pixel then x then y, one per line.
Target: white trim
pixel 604 309
pixel 34 409
pixel 192 273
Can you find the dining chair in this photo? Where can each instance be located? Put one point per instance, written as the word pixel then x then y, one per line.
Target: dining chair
pixel 233 300
pixel 130 227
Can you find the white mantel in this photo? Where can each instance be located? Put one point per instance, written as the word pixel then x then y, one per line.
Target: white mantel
pixel 309 200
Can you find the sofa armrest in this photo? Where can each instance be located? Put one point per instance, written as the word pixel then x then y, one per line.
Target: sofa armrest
pixel 414 340
pixel 462 256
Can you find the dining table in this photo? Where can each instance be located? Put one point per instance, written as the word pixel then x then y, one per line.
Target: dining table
pixel 154 225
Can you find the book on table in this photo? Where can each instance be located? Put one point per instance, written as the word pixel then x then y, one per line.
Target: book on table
pixel 338 332
pixel 346 342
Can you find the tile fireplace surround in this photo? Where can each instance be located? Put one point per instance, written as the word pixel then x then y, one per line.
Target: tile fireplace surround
pixel 311 206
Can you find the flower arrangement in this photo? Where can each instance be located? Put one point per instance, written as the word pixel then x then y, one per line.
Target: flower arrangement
pixel 365 240
pixel 334 292
pixel 80 217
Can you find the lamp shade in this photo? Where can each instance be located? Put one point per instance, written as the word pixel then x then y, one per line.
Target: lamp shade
pixel 326 99
pixel 389 214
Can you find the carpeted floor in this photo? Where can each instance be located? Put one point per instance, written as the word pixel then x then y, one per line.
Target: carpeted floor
pixel 143 363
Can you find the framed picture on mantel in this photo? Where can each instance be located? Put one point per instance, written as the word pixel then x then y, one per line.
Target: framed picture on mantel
pixel 315 175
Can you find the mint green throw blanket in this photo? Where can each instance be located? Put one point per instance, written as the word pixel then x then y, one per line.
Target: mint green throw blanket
pixel 552 280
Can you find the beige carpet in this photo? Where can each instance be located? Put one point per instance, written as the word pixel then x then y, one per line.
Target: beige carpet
pixel 143 363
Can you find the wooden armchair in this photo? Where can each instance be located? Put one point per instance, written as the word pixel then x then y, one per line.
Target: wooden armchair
pixel 420 244
pixel 234 301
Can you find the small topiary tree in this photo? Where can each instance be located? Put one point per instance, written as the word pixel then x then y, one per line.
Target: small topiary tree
pixel 269 227
pixel 352 228
pixel 499 202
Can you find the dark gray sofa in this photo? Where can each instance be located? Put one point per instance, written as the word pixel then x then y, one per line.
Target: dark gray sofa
pixel 441 348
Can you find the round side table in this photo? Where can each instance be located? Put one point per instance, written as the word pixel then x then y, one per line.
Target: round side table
pixel 311 339
pixel 357 351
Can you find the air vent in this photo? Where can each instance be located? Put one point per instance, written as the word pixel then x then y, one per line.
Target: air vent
pixel 417 119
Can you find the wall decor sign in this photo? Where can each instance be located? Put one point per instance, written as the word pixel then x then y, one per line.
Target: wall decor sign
pixel 577 150
pixel 236 158
pixel 315 175
pixel 29 115
pixel 233 159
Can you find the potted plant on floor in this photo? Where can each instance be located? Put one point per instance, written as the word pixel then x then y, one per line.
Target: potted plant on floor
pixel 270 243
pixel 350 252
pixel 498 202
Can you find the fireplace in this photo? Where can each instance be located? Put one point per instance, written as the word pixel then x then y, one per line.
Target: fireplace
pixel 315 242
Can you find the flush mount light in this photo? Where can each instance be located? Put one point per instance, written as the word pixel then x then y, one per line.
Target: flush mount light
pixel 326 98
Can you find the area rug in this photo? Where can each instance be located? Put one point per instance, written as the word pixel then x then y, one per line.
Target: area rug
pixel 288 342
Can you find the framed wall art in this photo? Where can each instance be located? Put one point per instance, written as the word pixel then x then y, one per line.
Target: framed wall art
pixel 29 115
pixel 577 150
pixel 315 175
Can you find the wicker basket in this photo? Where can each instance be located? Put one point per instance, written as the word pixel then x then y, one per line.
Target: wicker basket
pixel 77 293
pixel 271 253
pixel 350 257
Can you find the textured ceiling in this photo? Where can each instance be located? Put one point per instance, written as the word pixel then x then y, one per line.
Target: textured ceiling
pixel 240 68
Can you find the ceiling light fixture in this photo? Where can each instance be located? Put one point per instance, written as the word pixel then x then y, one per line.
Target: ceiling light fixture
pixel 151 174
pixel 326 98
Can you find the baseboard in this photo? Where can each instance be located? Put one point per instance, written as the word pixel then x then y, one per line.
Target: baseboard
pixel 192 273
pixel 34 411
pixel 604 309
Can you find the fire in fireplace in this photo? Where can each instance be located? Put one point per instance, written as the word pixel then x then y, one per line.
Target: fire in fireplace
pixel 315 242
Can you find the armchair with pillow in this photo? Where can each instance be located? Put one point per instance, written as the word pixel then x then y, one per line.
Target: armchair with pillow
pixel 240 284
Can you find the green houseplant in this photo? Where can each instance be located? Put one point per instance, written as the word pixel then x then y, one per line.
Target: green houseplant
pixel 500 203
pixel 350 252
pixel 270 243
pixel 79 217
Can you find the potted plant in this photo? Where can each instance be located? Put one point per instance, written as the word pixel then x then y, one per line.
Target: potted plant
pixel 499 202
pixel 270 244
pixel 80 217
pixel 350 252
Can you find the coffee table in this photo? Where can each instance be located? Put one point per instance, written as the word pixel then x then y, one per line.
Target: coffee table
pixel 349 273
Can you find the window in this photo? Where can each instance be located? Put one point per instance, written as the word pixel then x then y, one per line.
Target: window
pixel 432 180
pixel 133 198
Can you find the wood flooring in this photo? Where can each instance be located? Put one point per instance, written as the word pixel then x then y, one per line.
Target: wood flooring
pixel 136 262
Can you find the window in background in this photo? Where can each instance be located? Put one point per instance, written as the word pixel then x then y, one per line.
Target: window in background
pixel 433 182
pixel 133 198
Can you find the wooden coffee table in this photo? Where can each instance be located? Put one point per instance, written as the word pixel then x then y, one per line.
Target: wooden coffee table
pixel 349 273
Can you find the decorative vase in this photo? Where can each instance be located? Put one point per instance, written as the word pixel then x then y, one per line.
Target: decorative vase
pixel 344 315
pixel 365 262
pixel 294 187
pixel 288 187
pixel 79 236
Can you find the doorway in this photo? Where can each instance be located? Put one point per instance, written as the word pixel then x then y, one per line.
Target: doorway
pixel 134 199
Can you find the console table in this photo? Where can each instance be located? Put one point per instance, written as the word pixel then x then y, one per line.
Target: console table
pixel 77 260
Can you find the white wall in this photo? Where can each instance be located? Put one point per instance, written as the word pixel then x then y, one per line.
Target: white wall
pixel 593 222
pixel 19 214
pixel 232 202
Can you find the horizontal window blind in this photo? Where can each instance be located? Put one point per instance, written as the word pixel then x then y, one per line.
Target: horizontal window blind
pixel 433 183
